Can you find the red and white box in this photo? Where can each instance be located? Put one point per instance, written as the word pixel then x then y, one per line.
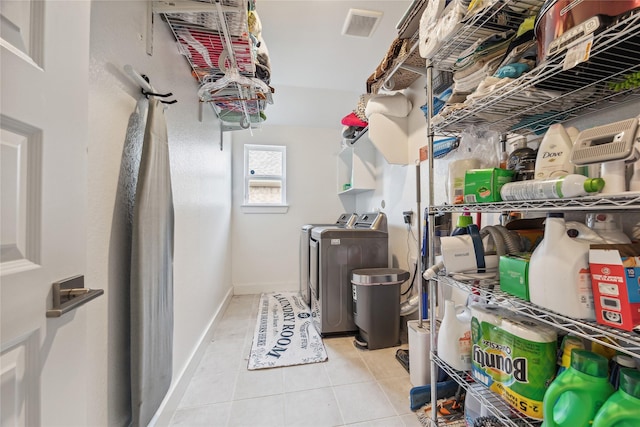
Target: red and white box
pixel 615 279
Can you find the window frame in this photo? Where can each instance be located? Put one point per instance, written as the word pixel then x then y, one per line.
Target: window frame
pixel 280 207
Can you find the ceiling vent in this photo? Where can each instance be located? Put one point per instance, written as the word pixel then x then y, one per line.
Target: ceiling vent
pixel 361 23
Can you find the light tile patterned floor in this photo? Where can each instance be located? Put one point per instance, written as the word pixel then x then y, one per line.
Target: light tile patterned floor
pixel 354 387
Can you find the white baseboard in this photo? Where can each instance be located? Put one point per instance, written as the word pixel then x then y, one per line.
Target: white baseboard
pixel 179 386
pixel 258 288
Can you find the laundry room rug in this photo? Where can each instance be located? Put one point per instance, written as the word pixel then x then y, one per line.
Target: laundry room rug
pixel 284 333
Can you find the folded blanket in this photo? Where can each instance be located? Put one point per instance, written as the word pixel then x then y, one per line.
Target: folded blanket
pixel 396 105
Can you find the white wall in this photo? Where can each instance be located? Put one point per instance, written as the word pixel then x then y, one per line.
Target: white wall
pixel 265 246
pixel 396 187
pixel 201 191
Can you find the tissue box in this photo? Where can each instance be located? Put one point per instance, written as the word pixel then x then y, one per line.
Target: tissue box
pixel 615 275
pixel 483 185
pixel 514 274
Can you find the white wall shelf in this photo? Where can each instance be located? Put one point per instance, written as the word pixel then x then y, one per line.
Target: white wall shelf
pixel 357 167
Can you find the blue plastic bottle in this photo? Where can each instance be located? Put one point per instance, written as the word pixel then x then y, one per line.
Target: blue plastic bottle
pixel 575 396
pixel 622 409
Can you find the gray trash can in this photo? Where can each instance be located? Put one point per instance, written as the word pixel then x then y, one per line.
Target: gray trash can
pixel 376 306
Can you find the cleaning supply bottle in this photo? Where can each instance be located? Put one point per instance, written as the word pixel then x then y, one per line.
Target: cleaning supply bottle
pixel 522 160
pixel 607 225
pixel 559 276
pixel 619 362
pixel 464 221
pixel 569 343
pixel 572 185
pixel 575 396
pixel 454 336
pixel 622 409
pixel 554 154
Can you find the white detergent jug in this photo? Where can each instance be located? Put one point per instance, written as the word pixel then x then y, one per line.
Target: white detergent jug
pixel 559 278
pixel 454 336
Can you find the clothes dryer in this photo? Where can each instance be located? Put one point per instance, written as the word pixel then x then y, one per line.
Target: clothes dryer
pixel 335 253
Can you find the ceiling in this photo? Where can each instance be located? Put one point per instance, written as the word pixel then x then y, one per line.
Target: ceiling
pixel 307 49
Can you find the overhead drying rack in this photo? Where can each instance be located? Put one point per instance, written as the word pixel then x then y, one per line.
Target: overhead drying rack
pixel 214 37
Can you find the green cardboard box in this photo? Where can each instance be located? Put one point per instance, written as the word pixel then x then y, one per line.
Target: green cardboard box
pixel 483 185
pixel 514 274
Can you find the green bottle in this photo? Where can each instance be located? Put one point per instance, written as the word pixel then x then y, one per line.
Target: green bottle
pixel 575 396
pixel 622 409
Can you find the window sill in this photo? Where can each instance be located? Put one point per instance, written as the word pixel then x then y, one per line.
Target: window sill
pixel 264 209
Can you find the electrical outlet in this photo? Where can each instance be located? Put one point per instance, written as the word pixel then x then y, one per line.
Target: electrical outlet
pixel 407 215
pixel 414 260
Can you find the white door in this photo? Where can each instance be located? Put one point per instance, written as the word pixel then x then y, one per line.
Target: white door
pixel 44 129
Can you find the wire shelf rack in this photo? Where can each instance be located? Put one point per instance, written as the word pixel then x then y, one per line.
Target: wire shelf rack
pixel 497 16
pixel 489 290
pixel 554 91
pixel 608 202
pixel 490 400
pixel 214 37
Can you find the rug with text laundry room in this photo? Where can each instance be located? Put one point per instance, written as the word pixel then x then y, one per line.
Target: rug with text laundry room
pixel 284 334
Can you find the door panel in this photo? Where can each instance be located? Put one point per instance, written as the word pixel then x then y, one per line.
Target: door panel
pixel 43 143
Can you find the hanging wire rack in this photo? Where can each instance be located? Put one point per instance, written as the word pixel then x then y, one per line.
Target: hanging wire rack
pixel 214 37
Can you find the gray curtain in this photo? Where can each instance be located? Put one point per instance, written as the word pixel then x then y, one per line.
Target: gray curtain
pixel 152 273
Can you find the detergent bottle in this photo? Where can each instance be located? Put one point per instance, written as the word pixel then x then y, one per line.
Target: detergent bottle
pixel 575 396
pixel 454 336
pixel 559 277
pixel 569 343
pixel 622 409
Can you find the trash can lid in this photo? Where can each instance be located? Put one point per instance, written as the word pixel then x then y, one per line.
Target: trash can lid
pixel 379 276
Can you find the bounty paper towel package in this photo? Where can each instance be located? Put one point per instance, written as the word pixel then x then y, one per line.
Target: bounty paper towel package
pixel 513 356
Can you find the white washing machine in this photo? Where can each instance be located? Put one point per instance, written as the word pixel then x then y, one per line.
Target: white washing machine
pixel 346 220
pixel 335 253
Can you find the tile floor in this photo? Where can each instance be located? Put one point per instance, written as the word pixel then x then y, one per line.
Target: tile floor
pixel 353 387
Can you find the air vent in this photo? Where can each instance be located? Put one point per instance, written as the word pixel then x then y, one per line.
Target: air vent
pixel 361 23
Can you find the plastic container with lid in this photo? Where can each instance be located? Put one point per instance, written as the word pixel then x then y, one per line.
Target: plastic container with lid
pixel 576 395
pixel 622 409
pixel 559 275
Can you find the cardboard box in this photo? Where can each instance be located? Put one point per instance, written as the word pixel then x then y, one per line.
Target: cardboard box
pixel 615 279
pixel 483 185
pixel 514 274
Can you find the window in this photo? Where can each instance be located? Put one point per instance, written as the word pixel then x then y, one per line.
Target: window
pixel 265 175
